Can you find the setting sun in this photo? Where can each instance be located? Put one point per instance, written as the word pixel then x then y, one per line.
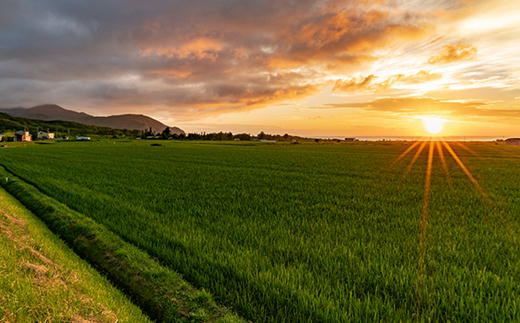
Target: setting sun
pixel 433 125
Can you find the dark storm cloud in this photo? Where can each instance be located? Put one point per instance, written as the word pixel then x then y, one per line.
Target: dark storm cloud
pixel 194 57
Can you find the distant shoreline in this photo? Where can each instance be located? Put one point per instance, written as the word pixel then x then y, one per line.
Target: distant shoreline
pixel 415 138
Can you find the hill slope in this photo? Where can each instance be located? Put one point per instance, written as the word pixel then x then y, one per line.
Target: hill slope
pixel 9 124
pixel 49 112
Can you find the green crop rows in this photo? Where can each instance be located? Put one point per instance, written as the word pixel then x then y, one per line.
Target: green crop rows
pixel 309 232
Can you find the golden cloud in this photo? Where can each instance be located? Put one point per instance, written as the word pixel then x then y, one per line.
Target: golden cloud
pixel 367 83
pixel 425 105
pixel 420 77
pixel 454 53
pixel 354 84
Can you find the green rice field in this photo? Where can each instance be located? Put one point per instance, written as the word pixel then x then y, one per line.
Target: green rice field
pixel 327 232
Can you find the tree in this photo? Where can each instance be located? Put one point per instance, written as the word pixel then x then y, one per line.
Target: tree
pixel 166 133
pixel 243 136
pixel 148 133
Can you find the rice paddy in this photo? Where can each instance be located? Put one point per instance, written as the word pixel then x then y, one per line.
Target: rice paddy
pixel 309 232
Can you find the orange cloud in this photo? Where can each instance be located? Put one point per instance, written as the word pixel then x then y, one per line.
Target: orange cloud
pixel 414 105
pixel 342 38
pixel 367 83
pixel 279 95
pixel 454 53
pixel 420 77
pixel 425 105
pixel 354 84
pixel 198 48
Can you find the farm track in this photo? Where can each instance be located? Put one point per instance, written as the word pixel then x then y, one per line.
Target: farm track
pixel 159 291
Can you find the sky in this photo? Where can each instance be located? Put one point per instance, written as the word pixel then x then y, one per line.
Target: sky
pixel 304 67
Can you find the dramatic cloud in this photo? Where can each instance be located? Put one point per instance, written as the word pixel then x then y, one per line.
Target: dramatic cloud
pixel 190 61
pixel 178 54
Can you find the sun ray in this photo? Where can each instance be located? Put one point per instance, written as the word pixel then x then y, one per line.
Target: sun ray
pixel 467 149
pixel 444 164
pixel 417 154
pixel 466 171
pixel 404 153
pixel 423 225
pixel 426 199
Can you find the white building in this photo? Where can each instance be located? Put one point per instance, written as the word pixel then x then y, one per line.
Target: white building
pixel 45 135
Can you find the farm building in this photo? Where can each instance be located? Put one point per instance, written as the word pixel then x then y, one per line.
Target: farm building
pixel 513 141
pixel 45 135
pixel 22 136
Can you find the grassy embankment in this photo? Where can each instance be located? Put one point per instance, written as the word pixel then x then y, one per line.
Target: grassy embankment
pixel 326 232
pixel 42 280
pixel 162 293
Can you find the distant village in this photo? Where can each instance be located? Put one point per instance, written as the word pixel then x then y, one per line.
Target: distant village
pixel 24 135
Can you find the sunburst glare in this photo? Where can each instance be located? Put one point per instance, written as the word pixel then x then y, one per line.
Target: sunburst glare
pixel 433 125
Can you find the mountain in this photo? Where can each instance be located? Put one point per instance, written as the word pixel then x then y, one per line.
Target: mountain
pixel 49 112
pixel 10 124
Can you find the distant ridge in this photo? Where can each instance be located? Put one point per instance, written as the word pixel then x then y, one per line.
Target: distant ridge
pixel 50 112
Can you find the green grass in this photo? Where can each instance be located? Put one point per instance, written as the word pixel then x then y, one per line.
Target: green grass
pixel 161 292
pixel 42 280
pixel 288 233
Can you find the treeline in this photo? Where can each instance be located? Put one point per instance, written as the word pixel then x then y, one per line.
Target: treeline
pixel 221 136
